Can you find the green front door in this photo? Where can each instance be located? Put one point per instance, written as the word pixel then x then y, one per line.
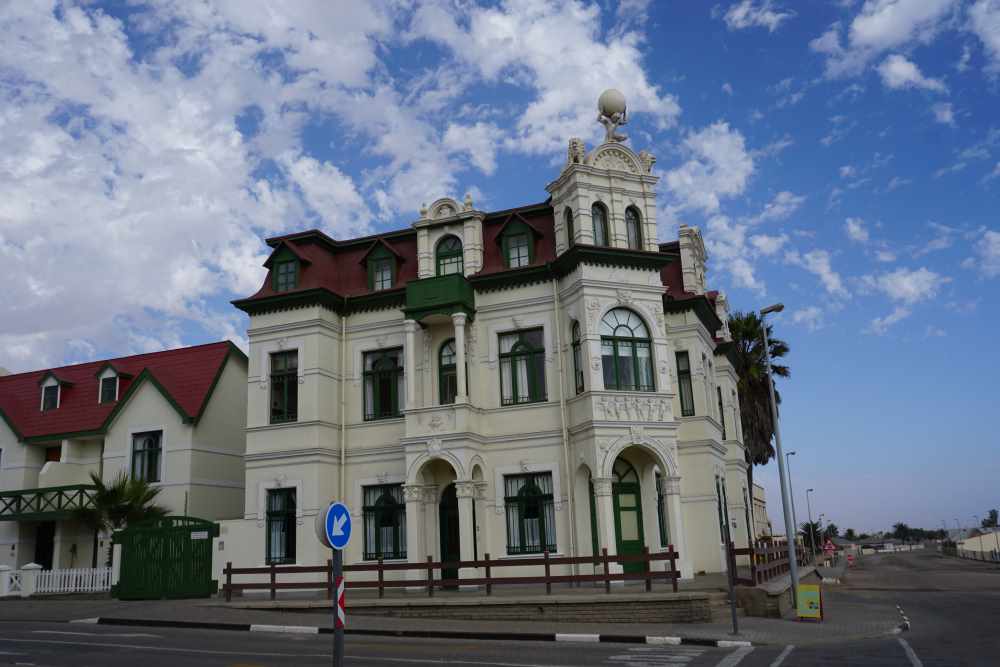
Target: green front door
pixel 451 545
pixel 628 523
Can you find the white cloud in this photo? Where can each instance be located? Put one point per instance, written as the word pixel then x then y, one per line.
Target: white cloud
pixel 768 245
pixel 944 113
pixel 818 263
pixel 963 62
pixel 810 317
pixel 847 171
pixel 751 14
pixel 880 25
pixel 479 141
pixel 881 325
pixel 885 256
pixel 897 72
pixel 934 332
pixel 984 17
pixel 719 166
pixel 855 228
pixel 907 286
pixel 897 182
pixel 727 88
pixel 986 255
pixel 783 205
pixel 727 243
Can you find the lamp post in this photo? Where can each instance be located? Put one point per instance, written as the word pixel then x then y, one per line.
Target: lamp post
pixel 812 531
pixel 793 564
pixel 791 490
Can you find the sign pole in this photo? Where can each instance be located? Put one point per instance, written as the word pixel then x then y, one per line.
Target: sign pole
pixel 338 601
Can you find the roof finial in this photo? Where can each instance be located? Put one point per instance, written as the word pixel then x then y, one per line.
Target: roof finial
pixel 612 113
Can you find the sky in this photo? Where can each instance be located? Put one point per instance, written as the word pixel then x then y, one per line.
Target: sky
pixel 842 157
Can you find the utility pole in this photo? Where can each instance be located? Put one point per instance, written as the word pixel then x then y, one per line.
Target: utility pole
pixel 793 564
pixel 791 490
pixel 812 528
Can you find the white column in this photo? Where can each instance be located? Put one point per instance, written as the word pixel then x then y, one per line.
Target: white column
pixel 672 489
pixel 414 496
pixel 606 537
pixel 458 319
pixel 466 493
pixel 410 363
pixel 29 579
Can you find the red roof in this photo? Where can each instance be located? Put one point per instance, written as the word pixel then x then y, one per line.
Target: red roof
pixel 186 376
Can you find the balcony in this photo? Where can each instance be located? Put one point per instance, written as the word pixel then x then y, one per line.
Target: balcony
pixel 439 297
pixel 45 504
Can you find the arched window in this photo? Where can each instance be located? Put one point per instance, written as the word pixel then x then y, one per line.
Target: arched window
pixel 624 473
pixel 447 376
pixel 449 256
pixel 599 215
pixel 577 358
pixel 633 228
pixel 570 232
pixel 626 352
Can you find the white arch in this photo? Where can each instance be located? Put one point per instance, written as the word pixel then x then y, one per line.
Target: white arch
pixel 443 455
pixel 660 453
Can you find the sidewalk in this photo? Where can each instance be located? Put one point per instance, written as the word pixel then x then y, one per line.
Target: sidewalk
pixel 849 617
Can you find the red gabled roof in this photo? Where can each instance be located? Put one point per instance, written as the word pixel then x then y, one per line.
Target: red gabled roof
pixel 186 377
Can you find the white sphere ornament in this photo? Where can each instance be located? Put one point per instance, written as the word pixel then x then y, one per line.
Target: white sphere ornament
pixel 611 101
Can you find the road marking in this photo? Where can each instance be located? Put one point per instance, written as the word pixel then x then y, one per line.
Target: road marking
pixel 291 629
pixel 910 653
pixel 659 641
pixel 736 657
pixel 655 657
pixel 96 634
pixel 567 637
pixel 784 654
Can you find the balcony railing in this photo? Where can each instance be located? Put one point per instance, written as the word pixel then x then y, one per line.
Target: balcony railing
pixel 441 295
pixel 45 504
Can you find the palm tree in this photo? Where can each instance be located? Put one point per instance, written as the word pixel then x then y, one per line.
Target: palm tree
pixel 811 535
pixel 123 501
pixel 755 400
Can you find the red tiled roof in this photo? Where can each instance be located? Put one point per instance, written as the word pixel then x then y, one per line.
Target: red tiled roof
pixel 186 376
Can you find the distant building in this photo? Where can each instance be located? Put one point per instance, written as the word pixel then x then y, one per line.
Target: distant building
pixel 762 523
pixel 174 418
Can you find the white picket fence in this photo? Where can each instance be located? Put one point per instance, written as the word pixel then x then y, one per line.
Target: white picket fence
pixel 33 580
pixel 78 580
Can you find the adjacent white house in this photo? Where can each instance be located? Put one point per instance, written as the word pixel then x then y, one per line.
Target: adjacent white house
pixel 551 377
pixel 176 419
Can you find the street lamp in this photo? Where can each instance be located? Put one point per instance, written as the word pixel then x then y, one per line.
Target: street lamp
pixel 793 564
pixel 812 531
pixel 791 491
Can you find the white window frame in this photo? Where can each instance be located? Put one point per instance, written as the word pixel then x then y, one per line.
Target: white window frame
pixel 48 383
pixel 100 381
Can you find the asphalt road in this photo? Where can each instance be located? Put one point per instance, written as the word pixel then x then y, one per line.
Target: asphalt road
pixel 952 605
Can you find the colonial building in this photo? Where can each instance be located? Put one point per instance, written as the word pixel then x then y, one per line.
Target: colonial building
pixel 549 377
pixel 175 419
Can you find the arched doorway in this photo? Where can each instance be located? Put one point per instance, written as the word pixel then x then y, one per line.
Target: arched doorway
pixel 451 541
pixel 627 497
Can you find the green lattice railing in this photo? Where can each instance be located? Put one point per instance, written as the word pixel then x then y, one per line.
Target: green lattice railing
pixel 45 504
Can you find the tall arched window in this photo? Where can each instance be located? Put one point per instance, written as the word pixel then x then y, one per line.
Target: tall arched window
pixel 633 228
pixel 577 359
pixel 449 256
pixel 599 215
pixel 447 375
pixel 626 352
pixel 570 232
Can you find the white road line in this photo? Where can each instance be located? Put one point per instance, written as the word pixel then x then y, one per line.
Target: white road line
pixel 96 634
pixel 784 654
pixel 910 653
pixel 736 657
pixel 658 641
pixel 291 629
pixel 568 637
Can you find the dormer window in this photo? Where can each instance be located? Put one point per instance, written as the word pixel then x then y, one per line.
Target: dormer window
pixel 381 273
pixel 286 275
pixel 50 397
pixel 517 250
pixel 109 389
pixel 449 256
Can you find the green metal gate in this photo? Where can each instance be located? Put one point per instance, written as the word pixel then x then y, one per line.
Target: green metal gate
pixel 166 558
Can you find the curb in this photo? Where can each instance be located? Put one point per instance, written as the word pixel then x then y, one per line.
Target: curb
pixel 426 634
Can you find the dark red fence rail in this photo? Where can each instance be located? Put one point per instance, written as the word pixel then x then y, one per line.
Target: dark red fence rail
pixel 768 560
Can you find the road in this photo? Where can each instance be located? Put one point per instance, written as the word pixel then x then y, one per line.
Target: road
pixel 952 605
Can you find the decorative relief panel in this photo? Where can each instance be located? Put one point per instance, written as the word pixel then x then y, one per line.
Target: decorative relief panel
pixel 631 408
pixel 616 159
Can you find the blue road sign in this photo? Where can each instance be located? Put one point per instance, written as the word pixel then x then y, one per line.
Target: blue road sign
pixel 338 525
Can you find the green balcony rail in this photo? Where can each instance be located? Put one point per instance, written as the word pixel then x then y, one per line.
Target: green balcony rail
pixel 45 504
pixel 441 295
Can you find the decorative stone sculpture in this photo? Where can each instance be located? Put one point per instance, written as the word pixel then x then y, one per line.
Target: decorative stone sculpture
pixel 612 113
pixel 577 151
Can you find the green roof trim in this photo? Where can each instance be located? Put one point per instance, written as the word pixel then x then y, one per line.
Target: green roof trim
pixel 701 306
pixel 296 299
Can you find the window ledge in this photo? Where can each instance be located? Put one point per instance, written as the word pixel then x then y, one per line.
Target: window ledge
pixel 552 554
pixel 386 561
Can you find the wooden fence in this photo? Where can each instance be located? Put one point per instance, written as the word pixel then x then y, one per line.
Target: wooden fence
pixel 430 582
pixel 768 559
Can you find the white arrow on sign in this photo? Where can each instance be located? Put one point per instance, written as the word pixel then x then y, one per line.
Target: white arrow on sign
pixel 338 525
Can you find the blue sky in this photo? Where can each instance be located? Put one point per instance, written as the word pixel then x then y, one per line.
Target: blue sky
pixel 842 157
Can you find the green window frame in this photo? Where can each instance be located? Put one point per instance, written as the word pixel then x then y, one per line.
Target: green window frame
pixel 286 274
pixel 384 389
pixel 722 412
pixel 447 373
pixel 599 218
pixel 381 269
pixel 384 516
pixel 530 509
pixel 684 388
pixel 146 450
pixel 449 256
pixel 522 367
pixel 568 222
pixel 518 245
pixel 50 397
pixel 633 228
pixel 280 530
pixel 109 389
pixel 284 373
pixel 578 378
pixel 626 352
pixel 660 508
